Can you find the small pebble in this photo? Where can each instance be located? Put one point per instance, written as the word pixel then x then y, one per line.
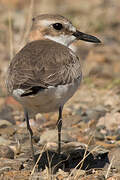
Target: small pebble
pixel 99 136
pixel 6 152
pixel 4 123
pixel 118 138
pixel 4 141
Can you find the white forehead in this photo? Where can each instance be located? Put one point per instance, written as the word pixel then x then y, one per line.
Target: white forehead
pixel 67 24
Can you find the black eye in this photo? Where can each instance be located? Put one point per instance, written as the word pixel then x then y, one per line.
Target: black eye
pixel 57 26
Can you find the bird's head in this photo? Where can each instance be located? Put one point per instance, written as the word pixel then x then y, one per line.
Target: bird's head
pixel 59 29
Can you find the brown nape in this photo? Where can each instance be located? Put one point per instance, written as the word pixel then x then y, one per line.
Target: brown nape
pixel 35 35
pixel 39 33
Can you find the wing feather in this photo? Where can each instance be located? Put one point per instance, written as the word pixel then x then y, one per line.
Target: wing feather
pixel 44 64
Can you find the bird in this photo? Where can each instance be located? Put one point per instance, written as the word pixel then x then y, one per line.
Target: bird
pixel 46 73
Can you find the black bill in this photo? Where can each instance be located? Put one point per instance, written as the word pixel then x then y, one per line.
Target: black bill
pixel 86 37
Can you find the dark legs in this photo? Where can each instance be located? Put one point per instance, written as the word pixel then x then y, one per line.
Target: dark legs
pixel 30 133
pixel 59 126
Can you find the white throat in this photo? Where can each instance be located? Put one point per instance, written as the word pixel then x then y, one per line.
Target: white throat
pixel 66 40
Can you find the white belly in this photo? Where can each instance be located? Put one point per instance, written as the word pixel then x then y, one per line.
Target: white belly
pixel 48 100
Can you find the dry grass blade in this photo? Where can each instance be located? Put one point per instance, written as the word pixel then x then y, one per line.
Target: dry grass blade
pixel 33 170
pixel 109 167
pixel 61 162
pixel 10 34
pixel 28 23
pixel 49 169
pixel 82 161
pixel 85 154
pixel 86 150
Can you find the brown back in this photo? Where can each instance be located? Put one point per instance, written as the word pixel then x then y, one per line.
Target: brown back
pixel 43 63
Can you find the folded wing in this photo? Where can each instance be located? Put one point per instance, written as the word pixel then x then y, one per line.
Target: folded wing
pixel 41 64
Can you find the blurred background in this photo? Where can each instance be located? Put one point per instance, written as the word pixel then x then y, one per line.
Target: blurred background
pixel 97 17
pixel 101 63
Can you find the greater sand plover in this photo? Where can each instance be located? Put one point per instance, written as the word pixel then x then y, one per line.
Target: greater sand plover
pixel 46 73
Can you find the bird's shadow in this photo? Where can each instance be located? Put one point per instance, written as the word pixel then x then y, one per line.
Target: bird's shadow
pixel 79 158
